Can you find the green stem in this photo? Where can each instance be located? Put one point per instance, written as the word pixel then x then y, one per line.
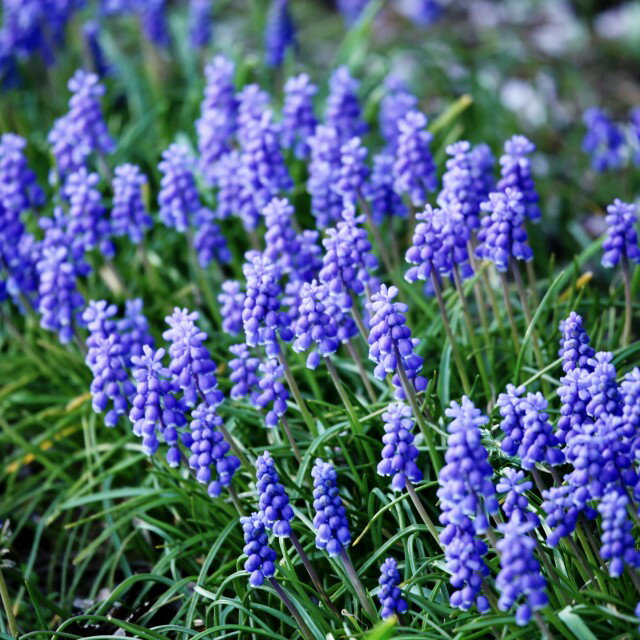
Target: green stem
pixel 419 416
pixel 447 327
pixel 422 512
pixel 244 461
pixel 628 312
pixel 357 585
pixel 295 392
pixel 8 608
pixel 509 308
pixel 533 282
pixel 472 336
pixel 312 572
pixel 357 318
pixel 290 438
pixel 542 625
pixel 306 632
pixel 376 233
pixel 355 356
pixel 236 501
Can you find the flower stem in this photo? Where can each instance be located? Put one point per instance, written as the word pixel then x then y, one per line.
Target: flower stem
pixel 472 336
pixel 533 282
pixel 357 585
pixel 244 461
pixel 419 416
pixel 353 352
pixel 236 501
pixel 8 607
pixel 542 625
pixel 509 308
pixel 295 392
pixel 447 327
pixel 306 632
pixel 357 318
pixel 376 233
pixel 626 277
pixel 422 512
pixel 312 572
pixel 290 438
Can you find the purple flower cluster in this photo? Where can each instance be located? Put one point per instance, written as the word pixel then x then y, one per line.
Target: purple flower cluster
pixel 621 242
pixel 200 23
pixel 279 33
pixel 414 169
pixel 529 434
pixel 231 300
pixel 243 376
pixel 275 510
pixel 467 498
pixel 343 110
pixel 129 216
pixel 574 344
pixel 439 244
pixel 209 450
pixel 272 392
pixel 217 122
pixel 390 596
pixel 298 116
pixel 618 542
pixel 563 506
pixel 399 453
pixel 380 191
pixel 502 235
pixel 603 140
pixel 209 242
pixel 156 410
pixel 390 343
pixel 353 171
pixel 519 580
pixel 394 106
pixel 348 260
pixel 191 364
pixel 330 521
pixel 261 557
pixel 515 505
pixel 178 198
pixel 515 168
pixel 468 180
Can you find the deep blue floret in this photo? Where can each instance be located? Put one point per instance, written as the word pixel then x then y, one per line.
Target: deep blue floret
pixel 390 596
pixel 261 558
pixel 273 501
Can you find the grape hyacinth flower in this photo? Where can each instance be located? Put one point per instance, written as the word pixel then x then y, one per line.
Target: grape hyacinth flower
pixel 231 300
pixel 59 299
pixel 19 190
pixel 88 226
pixel 390 343
pixel 468 179
pixel 390 596
pixel 515 505
pixel 228 179
pixel 439 244
pixel 200 23
pixel 380 192
pixel 261 557
pixel 178 197
pixel 466 489
pixel 467 498
pixel 252 103
pixel 399 453
pixel 281 239
pixel 394 106
pixel 209 242
pixel 308 259
pixel 618 541
pixel 502 235
pixel 563 506
pixel 243 373
pixel 348 261
pixel 330 521
pixel 630 419
pixel 218 111
pixel 343 110
pixel 515 168
pixel 519 581
pixel 414 169
pixel 298 118
pixel 273 502
pixel 279 32
pixel 155 408
pixel 191 364
pixel 153 15
pixel 262 319
pixel 91 40
pixel 324 169
pixel 129 215
pixel 353 170
pixel 133 329
pixel 82 131
pixel 263 172
pixel 110 384
pixel 603 140
pixel 604 394
pixel 528 433
pixel 621 242
pixel 574 395
pixel 575 350
pixel 272 392
pixel 209 450
pixel 99 318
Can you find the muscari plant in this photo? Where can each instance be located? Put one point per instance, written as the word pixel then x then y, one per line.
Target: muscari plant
pixel 527 498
